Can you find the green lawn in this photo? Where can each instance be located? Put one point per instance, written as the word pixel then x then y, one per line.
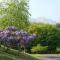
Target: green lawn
pixel 44 56
pixel 13 55
pixel 5 58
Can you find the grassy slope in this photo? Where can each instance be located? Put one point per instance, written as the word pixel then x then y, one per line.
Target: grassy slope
pixel 5 58
pixel 13 56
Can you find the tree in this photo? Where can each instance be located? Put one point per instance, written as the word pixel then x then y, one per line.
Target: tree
pixel 15 13
pixel 47 35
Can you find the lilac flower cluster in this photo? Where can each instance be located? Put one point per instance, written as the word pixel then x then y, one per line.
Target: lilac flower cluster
pixel 12 37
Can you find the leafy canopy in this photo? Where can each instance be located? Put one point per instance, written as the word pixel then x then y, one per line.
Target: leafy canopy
pixel 15 12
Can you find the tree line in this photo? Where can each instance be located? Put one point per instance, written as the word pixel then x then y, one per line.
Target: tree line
pixel 16 13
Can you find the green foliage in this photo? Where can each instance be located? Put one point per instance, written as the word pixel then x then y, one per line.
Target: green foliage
pixel 16 13
pixel 47 35
pixel 39 49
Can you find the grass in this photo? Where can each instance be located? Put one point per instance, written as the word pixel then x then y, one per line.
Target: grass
pixel 45 54
pixel 13 55
pixel 5 58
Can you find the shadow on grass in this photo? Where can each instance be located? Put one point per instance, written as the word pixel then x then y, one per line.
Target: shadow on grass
pixel 5 58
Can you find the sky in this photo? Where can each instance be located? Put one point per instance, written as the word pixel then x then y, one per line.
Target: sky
pixel 0 0
pixel 45 8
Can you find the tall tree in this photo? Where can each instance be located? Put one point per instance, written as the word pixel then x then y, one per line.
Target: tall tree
pixel 15 13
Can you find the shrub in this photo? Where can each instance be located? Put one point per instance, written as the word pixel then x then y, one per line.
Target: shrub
pixel 12 38
pixel 39 49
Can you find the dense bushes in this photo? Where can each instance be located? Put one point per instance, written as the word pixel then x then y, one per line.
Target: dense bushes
pixel 39 38
pixel 47 35
pixel 12 38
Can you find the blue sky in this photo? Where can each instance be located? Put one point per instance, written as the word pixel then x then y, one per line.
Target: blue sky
pixel 45 8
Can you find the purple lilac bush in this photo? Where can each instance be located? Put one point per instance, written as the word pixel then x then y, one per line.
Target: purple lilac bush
pixel 11 37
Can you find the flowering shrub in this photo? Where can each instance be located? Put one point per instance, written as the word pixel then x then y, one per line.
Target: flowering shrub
pixel 11 37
